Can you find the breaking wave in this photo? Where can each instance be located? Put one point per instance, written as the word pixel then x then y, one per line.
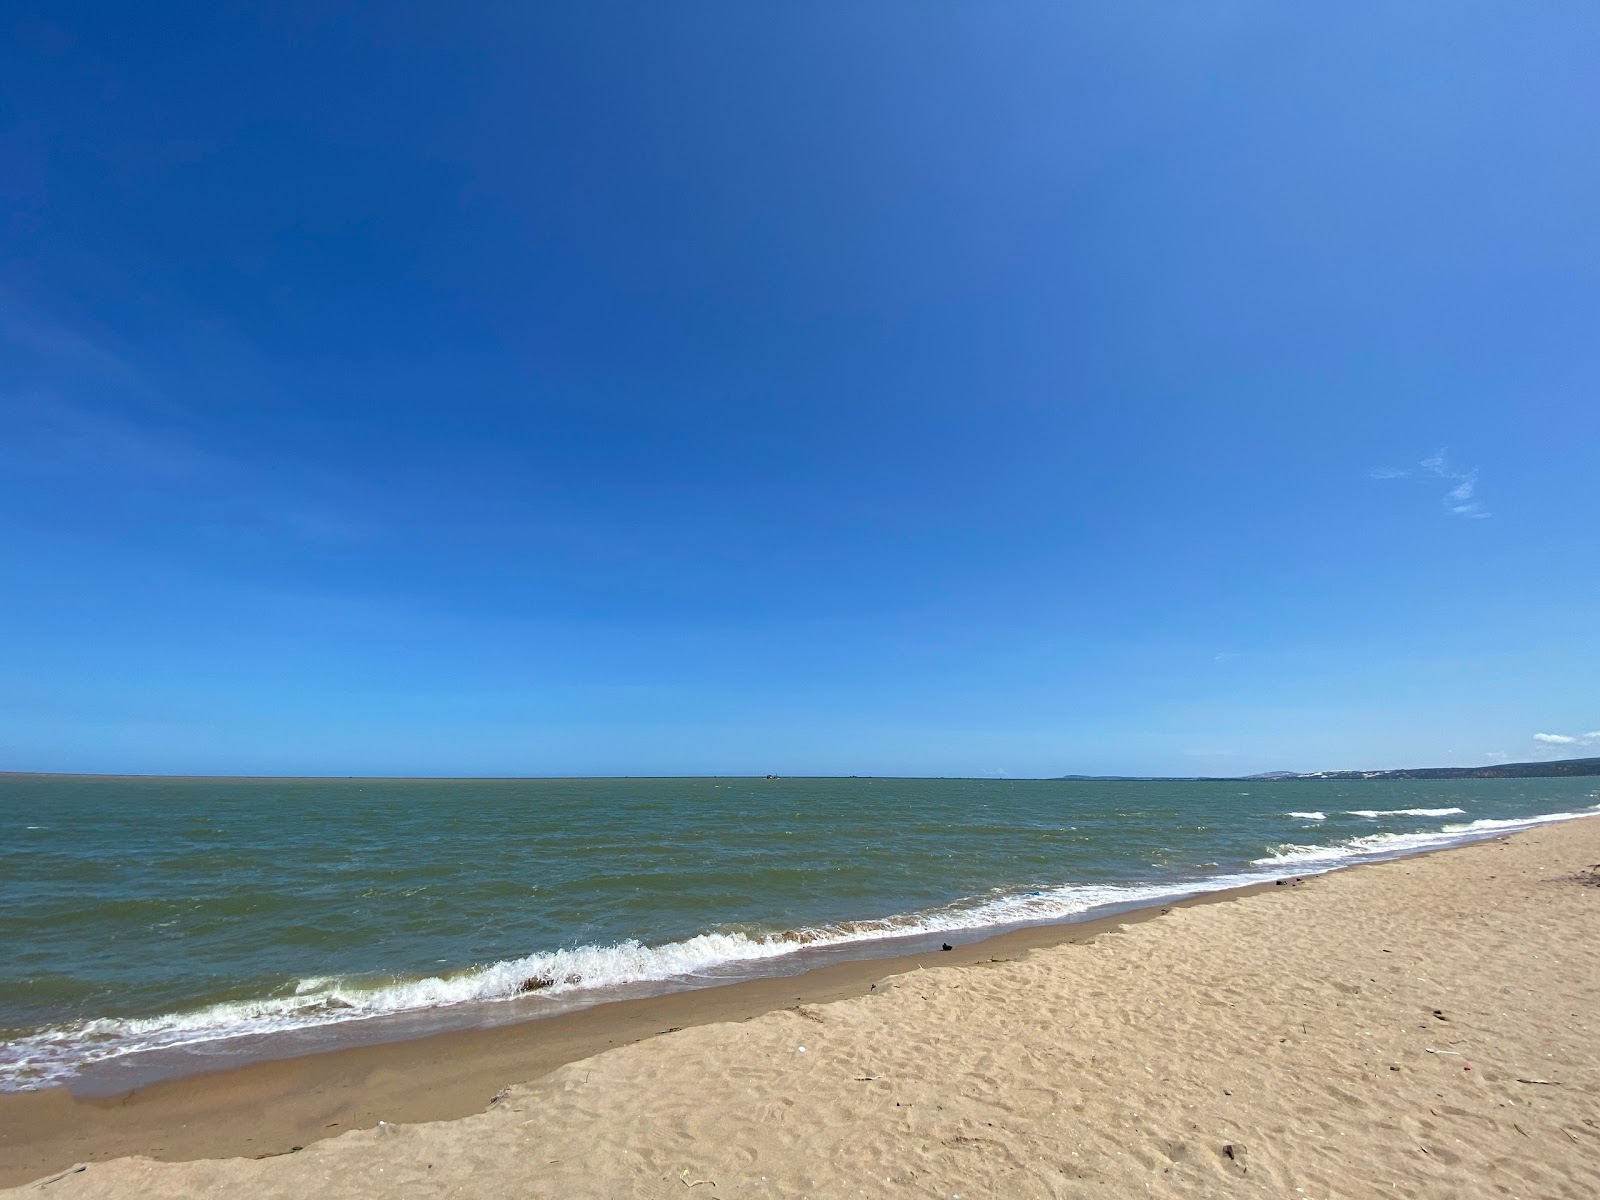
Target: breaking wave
pixel 1386 845
pixel 1374 813
pixel 57 1054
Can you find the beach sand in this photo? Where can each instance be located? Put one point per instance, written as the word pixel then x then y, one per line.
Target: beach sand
pixel 1425 1027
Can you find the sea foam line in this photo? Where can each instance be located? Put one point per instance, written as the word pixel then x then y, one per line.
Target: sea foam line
pixel 1374 813
pixel 1385 845
pixel 56 1054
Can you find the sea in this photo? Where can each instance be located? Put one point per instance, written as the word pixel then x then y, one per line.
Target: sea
pixel 151 927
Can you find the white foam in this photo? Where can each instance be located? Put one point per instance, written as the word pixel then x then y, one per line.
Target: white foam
pixel 1384 845
pixel 1485 826
pixel 56 1054
pixel 1373 813
pixel 1308 816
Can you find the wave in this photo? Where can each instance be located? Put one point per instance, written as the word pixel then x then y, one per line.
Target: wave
pixel 1374 813
pixel 57 1054
pixel 1308 816
pixel 1385 845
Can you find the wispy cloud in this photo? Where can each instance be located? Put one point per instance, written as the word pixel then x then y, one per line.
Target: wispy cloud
pixel 1461 500
pixel 133 441
pixel 44 435
pixel 66 350
pixel 1580 743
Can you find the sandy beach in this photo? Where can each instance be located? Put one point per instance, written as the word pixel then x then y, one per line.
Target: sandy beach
pixel 1424 1027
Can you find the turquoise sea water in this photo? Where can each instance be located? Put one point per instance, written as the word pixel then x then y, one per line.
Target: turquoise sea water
pixel 173 917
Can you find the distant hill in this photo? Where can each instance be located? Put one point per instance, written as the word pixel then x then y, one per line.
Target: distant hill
pixel 1524 770
pixel 1561 767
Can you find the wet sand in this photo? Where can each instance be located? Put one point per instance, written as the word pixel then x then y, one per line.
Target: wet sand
pixel 275 1106
pixel 1422 1027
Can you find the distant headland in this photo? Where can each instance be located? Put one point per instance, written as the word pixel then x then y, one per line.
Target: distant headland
pixel 1563 767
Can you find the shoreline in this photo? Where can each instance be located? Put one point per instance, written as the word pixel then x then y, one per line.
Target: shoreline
pixel 273 1106
pixel 120 1074
pixel 276 1105
pixel 1433 1009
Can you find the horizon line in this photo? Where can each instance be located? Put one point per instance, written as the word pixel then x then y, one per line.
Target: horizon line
pixel 1255 776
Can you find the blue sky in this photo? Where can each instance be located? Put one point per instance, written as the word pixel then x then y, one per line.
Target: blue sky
pixel 826 388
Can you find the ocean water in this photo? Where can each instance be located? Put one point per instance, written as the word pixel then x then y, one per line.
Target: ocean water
pixel 173 921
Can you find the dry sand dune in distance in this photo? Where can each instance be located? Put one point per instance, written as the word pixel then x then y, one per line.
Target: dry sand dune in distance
pixel 1419 1028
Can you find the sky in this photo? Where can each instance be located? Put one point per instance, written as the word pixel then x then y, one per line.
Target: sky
pixel 729 387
